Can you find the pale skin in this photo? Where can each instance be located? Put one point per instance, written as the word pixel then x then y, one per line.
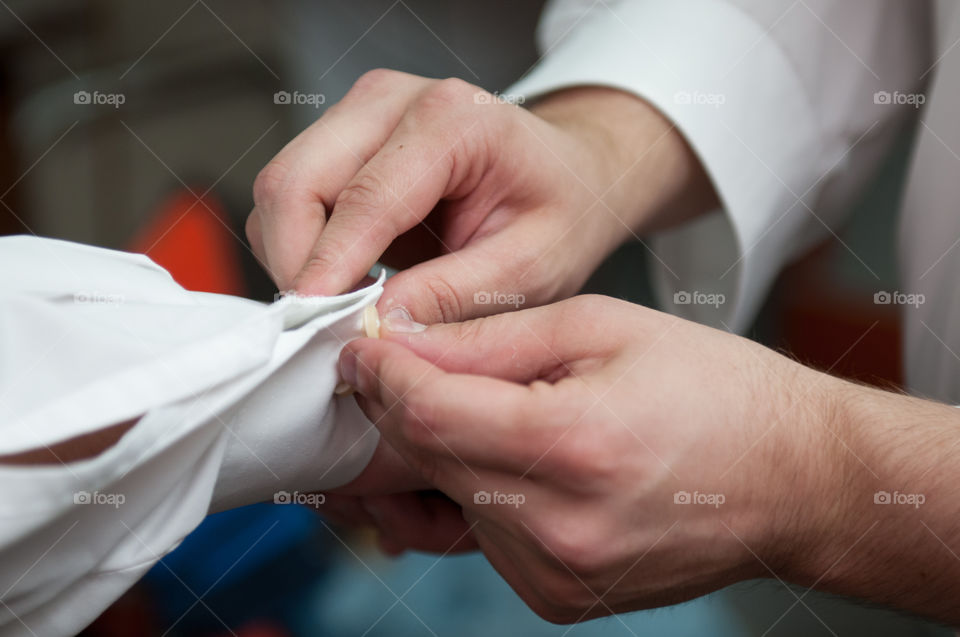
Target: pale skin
pixel 529 201
pixel 600 412
pixel 596 411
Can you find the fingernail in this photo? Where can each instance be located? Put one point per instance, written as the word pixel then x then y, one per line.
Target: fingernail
pixel 348 368
pixel 398 320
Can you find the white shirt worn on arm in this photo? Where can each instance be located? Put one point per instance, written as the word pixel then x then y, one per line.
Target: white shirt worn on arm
pixel 232 400
pixel 782 102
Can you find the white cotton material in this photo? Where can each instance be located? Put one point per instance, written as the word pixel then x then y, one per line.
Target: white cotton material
pixel 776 99
pixel 233 401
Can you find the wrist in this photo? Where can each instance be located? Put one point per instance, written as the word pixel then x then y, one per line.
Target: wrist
pixel 890 546
pixel 642 166
pixel 809 473
pixel 882 517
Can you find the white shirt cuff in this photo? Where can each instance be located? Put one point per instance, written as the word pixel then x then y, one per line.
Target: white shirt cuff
pixel 702 63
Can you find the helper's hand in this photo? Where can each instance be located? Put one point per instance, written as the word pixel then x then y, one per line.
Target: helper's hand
pixel 608 457
pixel 485 196
pixel 390 496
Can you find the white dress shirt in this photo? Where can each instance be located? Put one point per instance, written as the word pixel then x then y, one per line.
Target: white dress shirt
pixel 790 106
pixel 234 397
pixel 233 401
pixel 930 228
pixel 776 99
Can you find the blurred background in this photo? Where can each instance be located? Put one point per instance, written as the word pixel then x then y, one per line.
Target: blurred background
pixel 141 126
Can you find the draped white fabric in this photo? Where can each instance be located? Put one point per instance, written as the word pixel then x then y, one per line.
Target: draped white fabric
pixel 233 402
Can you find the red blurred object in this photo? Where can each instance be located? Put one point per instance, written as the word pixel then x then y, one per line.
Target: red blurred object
pixel 832 327
pixel 192 239
pixel 132 614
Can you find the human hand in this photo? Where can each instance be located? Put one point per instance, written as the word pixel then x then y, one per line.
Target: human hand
pixel 634 459
pixel 394 499
pixel 478 195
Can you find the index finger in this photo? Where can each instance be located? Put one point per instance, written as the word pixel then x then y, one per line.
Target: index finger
pixel 297 188
pixel 429 155
pixel 421 409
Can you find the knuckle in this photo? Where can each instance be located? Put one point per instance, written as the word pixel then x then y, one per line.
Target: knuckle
pixel 563 427
pixel 593 456
pixel 445 95
pixel 374 78
pixel 583 308
pixel 365 196
pixel 319 263
pixel 580 546
pixel 271 183
pixel 538 424
pixel 449 305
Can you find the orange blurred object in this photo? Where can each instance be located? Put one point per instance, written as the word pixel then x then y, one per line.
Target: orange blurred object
pixel 192 239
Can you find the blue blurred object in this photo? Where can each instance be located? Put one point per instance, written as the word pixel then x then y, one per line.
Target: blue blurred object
pixel 281 563
pixel 464 596
pixel 253 562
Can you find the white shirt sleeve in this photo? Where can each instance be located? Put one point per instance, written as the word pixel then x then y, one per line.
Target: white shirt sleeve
pixel 233 402
pixel 788 105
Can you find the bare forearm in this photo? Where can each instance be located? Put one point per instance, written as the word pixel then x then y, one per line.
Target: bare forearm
pixel 651 178
pixel 892 531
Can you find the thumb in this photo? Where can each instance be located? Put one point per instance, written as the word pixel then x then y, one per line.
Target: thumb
pixel 523 346
pixel 488 276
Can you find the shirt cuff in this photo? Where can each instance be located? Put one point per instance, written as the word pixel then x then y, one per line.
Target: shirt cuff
pixel 734 95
